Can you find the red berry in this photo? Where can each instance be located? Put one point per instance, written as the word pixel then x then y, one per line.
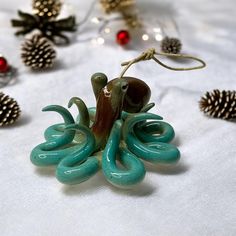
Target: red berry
pixel 123 37
pixel 3 65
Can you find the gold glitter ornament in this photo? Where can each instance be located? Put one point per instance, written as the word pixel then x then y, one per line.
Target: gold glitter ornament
pixel 132 20
pixel 115 5
pixel 47 8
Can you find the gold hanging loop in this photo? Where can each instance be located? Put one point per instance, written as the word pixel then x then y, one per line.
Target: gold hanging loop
pixel 150 55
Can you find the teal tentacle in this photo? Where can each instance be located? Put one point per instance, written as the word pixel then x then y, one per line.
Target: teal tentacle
pixel 134 170
pixel 54 131
pixel 155 152
pixel 78 174
pixel 154 131
pixel 45 153
pixel 57 130
pixel 131 162
pixel 148 107
pixel 77 167
pixel 83 117
pixel 40 157
pixel 124 115
pixel 92 113
pixel 68 135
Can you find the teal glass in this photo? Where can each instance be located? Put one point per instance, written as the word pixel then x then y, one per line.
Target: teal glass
pixel 98 138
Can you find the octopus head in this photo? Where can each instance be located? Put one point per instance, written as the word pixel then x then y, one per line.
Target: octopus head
pixel 117 90
pixel 137 95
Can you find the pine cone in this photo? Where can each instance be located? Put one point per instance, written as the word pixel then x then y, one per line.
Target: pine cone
pixel 219 104
pixel 48 9
pixel 115 5
pixel 171 45
pixel 9 110
pixel 38 53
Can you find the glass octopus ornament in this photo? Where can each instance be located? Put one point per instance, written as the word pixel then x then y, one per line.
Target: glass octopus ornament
pixel 120 129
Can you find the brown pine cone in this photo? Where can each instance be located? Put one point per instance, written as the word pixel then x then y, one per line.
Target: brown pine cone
pixel 9 110
pixel 219 104
pixel 38 53
pixel 49 9
pixel 171 45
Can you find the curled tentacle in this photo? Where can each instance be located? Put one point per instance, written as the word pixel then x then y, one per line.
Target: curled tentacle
pixel 155 131
pixel 68 135
pixel 76 167
pixel 43 154
pixel 57 130
pixel 40 157
pixel 54 131
pixel 83 118
pixel 92 114
pixel 134 170
pixel 148 107
pixel 156 152
pixel 99 81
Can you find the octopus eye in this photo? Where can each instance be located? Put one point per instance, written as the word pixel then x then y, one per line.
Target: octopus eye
pixel 106 92
pixel 124 86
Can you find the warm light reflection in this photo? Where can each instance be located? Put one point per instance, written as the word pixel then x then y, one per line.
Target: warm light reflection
pixel 145 37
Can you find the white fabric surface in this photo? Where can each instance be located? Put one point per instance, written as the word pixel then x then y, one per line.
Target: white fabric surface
pixel 197 197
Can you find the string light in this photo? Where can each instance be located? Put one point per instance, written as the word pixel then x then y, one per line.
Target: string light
pixel 145 37
pixel 157 30
pixel 100 40
pixel 158 37
pixel 107 30
pixel 95 20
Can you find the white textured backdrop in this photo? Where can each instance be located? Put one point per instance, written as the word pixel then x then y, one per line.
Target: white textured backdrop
pixel 197 197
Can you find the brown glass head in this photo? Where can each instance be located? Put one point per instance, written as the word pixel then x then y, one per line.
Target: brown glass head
pixel 137 95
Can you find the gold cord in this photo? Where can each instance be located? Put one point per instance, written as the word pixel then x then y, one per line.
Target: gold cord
pixel 150 54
